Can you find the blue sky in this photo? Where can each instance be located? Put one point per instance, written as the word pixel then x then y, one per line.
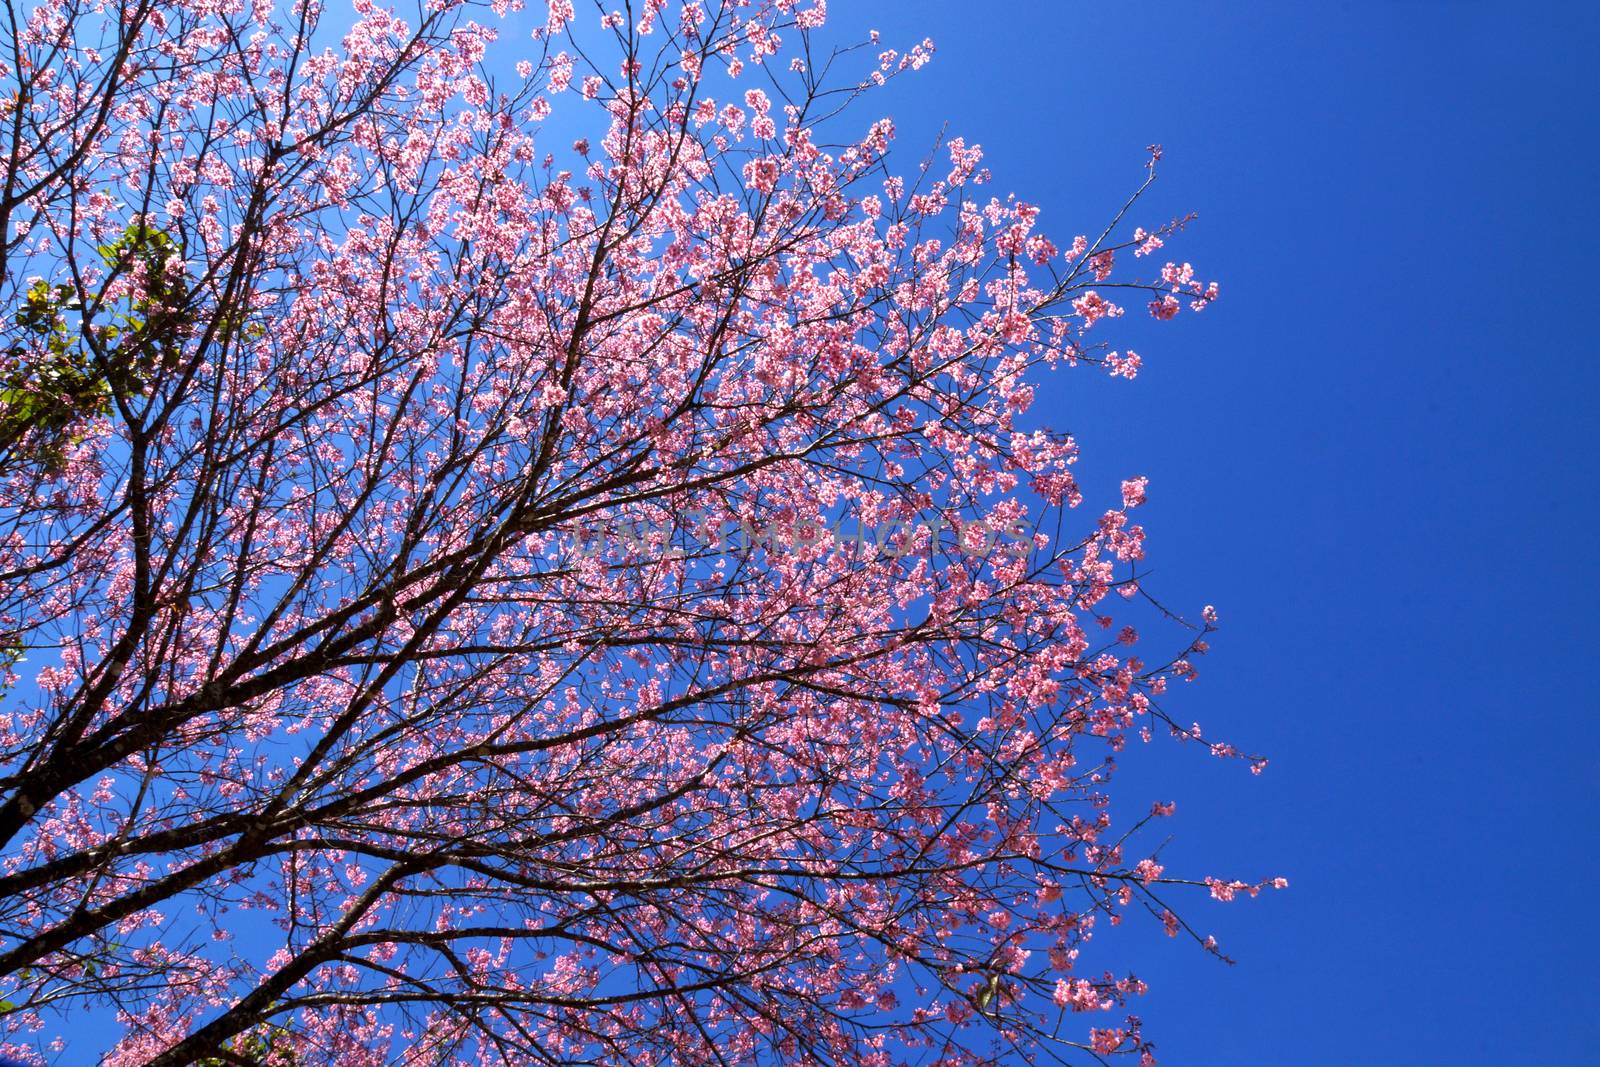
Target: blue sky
pixel 1371 455
pixel 1375 455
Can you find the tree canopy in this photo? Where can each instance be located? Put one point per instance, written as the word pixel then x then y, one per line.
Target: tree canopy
pixel 476 593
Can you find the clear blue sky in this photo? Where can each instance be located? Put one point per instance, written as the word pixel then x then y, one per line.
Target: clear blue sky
pixel 1372 455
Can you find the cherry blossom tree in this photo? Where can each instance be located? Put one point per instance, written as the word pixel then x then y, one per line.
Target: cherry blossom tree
pixel 522 543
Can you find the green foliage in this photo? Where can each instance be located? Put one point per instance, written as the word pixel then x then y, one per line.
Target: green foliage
pixel 51 382
pixel 52 379
pixel 151 248
pixel 263 1046
pixel 147 334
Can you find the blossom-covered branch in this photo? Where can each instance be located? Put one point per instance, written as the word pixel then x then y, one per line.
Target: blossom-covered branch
pixel 326 743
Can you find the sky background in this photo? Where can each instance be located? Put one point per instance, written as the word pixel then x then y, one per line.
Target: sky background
pixel 1375 455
